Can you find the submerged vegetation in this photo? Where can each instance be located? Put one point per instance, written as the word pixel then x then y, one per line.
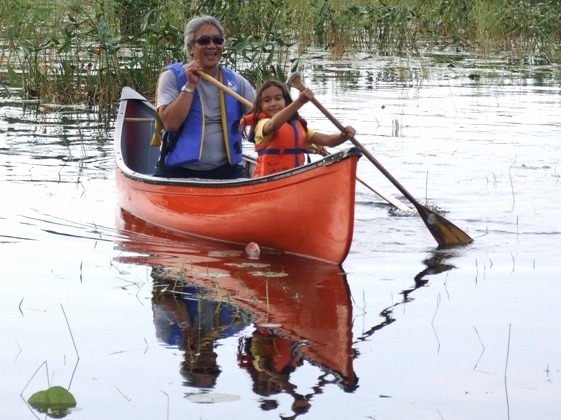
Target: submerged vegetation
pixel 86 50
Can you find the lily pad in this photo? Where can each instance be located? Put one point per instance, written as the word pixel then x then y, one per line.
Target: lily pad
pixel 225 253
pixel 249 265
pixel 269 274
pixel 55 402
pixel 214 275
pixel 212 398
pixel 270 326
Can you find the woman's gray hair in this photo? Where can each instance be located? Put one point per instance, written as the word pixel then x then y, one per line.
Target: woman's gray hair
pixel 196 23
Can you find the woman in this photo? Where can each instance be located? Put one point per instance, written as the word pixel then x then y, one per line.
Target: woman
pixel 203 120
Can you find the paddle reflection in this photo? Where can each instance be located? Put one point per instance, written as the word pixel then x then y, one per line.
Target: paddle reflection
pixel 205 291
pixel 435 263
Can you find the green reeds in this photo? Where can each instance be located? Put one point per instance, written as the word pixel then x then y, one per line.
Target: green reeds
pixel 87 50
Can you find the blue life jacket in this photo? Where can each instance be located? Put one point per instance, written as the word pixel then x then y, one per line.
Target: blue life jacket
pixel 188 145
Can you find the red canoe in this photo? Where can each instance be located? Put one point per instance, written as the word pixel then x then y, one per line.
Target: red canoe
pixel 295 303
pixel 308 211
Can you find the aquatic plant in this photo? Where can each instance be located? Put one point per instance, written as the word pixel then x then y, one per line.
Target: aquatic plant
pixel 87 50
pixel 55 401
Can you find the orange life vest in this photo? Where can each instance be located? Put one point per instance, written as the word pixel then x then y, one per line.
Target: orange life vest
pixel 272 353
pixel 286 149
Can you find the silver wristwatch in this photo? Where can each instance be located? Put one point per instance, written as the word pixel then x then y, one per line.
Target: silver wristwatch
pixel 187 89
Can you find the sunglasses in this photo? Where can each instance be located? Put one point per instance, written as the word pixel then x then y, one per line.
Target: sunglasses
pixel 205 40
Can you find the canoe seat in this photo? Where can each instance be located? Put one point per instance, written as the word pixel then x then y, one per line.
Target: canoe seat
pixel 141 156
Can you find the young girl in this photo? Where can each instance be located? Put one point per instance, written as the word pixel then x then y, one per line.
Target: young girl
pixel 282 138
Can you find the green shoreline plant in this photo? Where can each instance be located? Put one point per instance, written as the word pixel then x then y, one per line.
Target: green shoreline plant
pixel 86 50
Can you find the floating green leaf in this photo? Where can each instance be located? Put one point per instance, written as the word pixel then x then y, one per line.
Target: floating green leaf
pixel 269 274
pixel 55 401
pixel 211 398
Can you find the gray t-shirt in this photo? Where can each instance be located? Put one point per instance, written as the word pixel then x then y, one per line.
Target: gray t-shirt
pixel 214 153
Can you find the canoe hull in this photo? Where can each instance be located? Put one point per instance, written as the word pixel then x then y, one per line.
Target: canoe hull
pixel 305 302
pixel 308 211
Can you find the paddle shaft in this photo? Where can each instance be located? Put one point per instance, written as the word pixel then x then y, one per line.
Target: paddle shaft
pixel 368 155
pixel 376 189
pixel 393 201
pixel 442 230
pixel 226 89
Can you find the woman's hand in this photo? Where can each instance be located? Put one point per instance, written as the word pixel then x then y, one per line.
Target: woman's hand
pixel 192 70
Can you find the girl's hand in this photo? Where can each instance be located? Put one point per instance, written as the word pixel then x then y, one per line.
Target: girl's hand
pixel 316 148
pixel 305 96
pixel 348 133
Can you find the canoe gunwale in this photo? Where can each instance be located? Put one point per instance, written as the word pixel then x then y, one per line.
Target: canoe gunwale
pixel 234 183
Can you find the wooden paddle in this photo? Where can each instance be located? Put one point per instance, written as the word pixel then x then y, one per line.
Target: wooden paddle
pixel 376 189
pixel 444 231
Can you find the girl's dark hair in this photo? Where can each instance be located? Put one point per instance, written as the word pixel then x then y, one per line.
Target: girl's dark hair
pixel 287 100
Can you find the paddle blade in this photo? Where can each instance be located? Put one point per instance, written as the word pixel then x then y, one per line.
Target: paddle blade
pixel 444 232
pixel 295 80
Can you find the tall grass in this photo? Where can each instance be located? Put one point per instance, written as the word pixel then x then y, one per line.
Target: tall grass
pixel 86 50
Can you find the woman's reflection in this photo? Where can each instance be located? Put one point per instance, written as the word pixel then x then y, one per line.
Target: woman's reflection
pixel 194 325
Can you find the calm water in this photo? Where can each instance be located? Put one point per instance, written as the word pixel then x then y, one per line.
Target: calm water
pixel 405 332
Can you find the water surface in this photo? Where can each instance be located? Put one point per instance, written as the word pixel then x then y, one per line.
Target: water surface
pixel 404 331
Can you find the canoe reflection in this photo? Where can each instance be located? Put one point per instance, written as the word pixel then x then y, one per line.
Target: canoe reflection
pixel 206 291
